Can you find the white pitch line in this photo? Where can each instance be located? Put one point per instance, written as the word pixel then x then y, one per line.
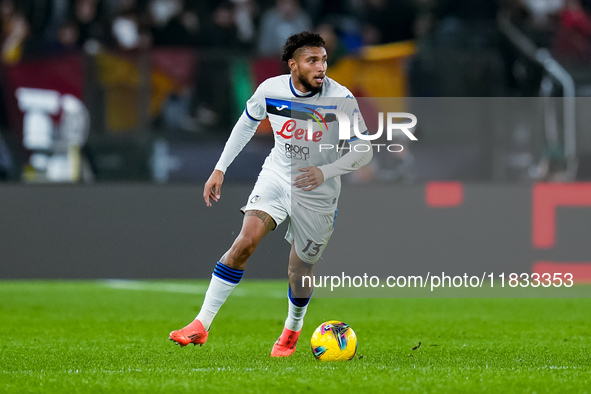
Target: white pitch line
pixel 123 284
pixel 168 287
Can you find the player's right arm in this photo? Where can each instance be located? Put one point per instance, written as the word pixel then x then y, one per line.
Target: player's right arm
pixel 242 132
pixel 213 187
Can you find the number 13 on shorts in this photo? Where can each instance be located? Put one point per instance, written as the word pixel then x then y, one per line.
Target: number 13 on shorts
pixel 312 248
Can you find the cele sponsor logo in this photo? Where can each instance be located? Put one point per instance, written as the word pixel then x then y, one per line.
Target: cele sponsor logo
pixel 297 152
pixel 392 127
pixel 289 131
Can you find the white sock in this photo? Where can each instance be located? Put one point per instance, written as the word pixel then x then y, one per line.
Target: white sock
pixel 217 293
pixel 295 316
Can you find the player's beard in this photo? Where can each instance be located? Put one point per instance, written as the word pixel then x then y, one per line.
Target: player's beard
pixel 305 83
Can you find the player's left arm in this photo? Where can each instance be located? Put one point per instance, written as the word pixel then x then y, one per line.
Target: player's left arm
pixel 312 177
pixel 360 154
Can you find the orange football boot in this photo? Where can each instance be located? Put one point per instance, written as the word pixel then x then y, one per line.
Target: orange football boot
pixel 286 343
pixel 193 333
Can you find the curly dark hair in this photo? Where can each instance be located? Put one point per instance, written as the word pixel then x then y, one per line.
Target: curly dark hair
pixel 300 40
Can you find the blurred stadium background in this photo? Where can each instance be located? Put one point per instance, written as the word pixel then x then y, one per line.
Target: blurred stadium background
pixel 114 112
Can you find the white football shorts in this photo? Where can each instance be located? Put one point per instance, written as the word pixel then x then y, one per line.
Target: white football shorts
pixel 308 231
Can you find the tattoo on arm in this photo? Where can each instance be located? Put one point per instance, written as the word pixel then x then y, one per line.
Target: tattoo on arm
pixel 265 217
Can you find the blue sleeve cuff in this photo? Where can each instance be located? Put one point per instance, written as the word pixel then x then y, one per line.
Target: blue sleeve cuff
pixel 250 117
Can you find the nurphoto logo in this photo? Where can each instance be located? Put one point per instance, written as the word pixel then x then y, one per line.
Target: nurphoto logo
pixel 394 129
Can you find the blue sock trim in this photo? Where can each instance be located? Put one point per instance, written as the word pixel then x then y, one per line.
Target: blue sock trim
pixel 300 302
pixel 334 222
pixel 228 274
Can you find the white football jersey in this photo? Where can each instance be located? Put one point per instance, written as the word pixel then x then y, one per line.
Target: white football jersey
pixel 289 112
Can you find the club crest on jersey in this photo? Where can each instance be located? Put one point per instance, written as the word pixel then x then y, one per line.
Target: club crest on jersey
pixel 255 199
pixel 317 116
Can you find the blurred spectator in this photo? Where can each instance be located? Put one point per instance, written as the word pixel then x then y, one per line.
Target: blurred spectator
pixel 172 23
pixel 342 17
pixel 322 10
pixel 388 21
pixel 458 49
pixel 221 31
pixel 38 14
pixel 334 48
pixel 127 28
pixel 572 41
pixel 244 14
pixel 6 165
pixel 475 11
pixel 425 18
pixel 57 18
pixel 541 13
pixel 280 22
pixel 88 16
pixel 469 24
pixel 15 31
pixel 68 36
pixel 214 81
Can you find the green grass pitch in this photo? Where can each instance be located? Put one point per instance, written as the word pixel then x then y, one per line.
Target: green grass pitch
pixel 112 336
